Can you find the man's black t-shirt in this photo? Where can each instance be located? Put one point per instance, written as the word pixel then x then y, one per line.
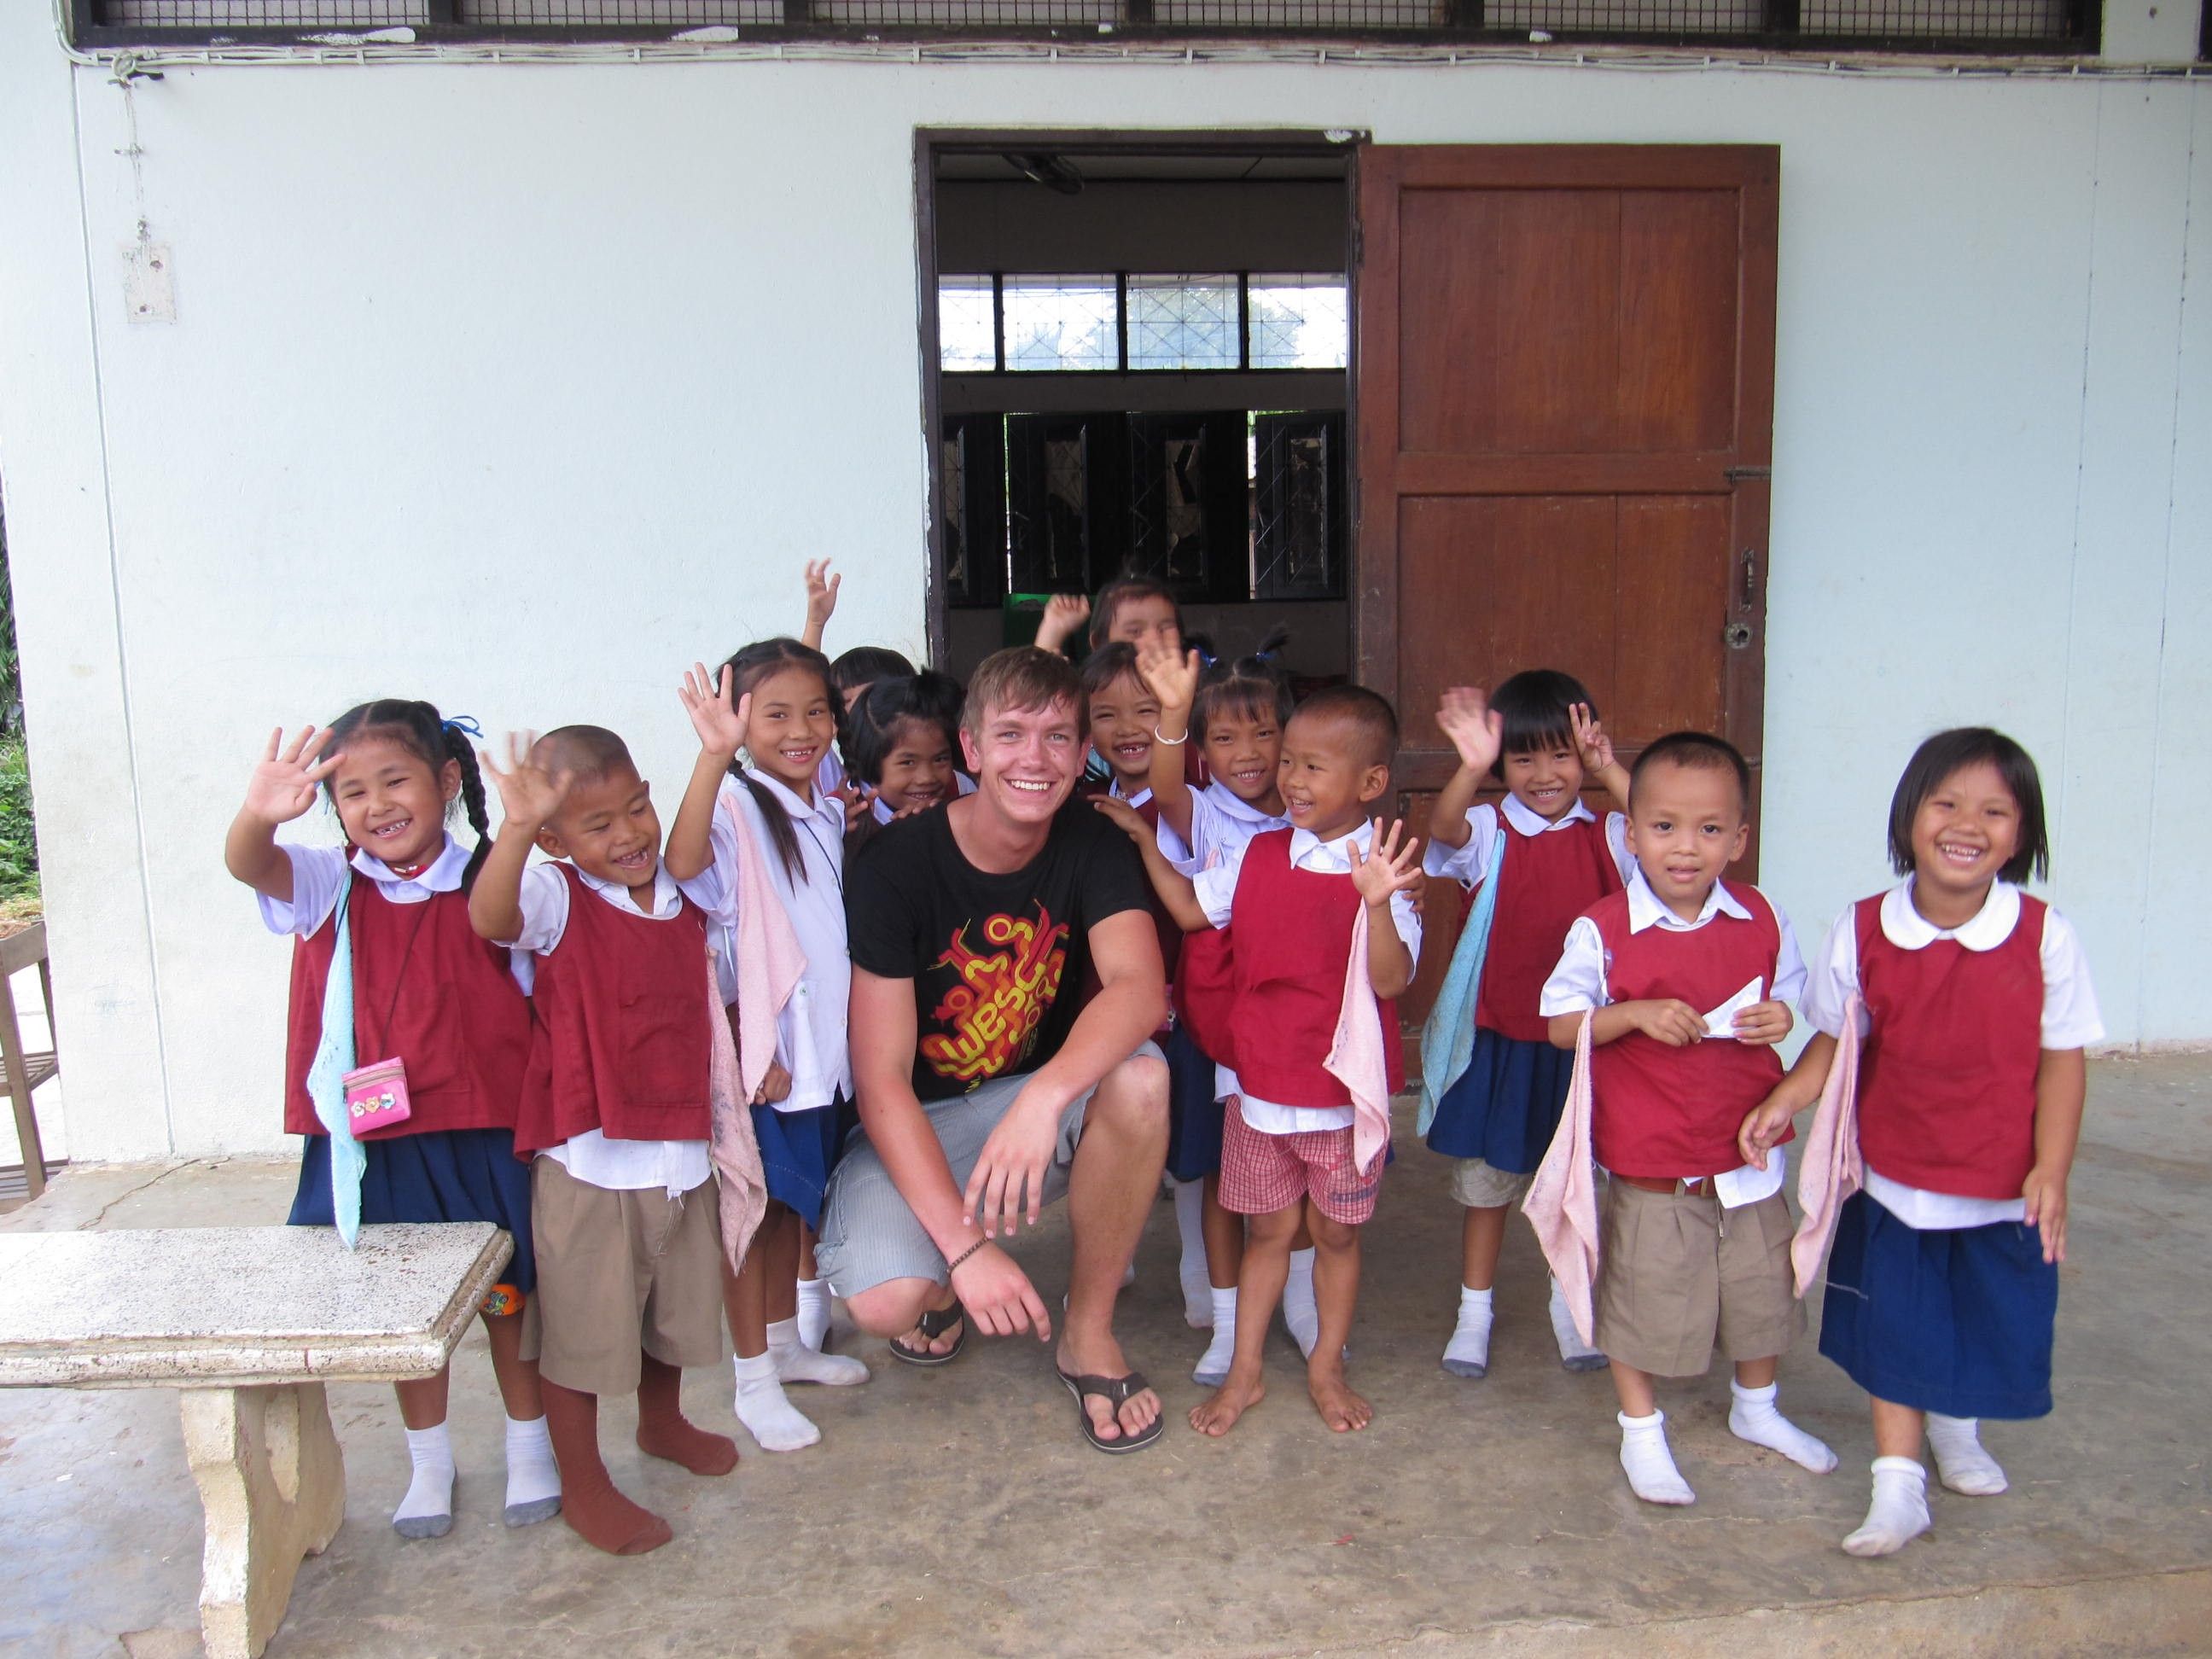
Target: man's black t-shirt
pixel 997 962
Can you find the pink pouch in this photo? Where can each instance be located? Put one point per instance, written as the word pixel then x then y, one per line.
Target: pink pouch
pixel 376 1096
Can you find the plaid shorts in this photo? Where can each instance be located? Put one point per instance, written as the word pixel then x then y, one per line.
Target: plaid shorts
pixel 1263 1173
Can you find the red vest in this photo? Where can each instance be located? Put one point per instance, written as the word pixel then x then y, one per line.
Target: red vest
pixel 1293 944
pixel 1658 1111
pixel 1549 880
pixel 426 990
pixel 1947 1075
pixel 621 1043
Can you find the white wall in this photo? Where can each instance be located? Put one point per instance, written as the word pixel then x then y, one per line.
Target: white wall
pixel 521 387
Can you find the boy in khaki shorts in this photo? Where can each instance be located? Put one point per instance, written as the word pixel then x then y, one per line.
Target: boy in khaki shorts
pixel 1686 980
pixel 615 1114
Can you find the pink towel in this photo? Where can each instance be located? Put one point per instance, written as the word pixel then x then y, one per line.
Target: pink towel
pixel 1357 1058
pixel 1828 1170
pixel 1561 1203
pixel 741 1189
pixel 769 960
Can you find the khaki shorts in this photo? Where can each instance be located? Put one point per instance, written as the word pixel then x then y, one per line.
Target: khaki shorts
pixel 1480 1186
pixel 1678 1275
pixel 621 1271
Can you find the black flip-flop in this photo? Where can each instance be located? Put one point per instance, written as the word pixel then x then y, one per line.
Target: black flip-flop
pixel 933 1324
pixel 1114 1390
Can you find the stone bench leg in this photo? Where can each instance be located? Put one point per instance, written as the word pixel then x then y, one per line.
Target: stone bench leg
pixel 273 1484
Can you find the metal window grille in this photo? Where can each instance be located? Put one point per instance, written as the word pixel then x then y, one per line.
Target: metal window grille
pixel 2000 25
pixel 1183 323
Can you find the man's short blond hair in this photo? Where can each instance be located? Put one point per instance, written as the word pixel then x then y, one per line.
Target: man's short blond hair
pixel 1018 680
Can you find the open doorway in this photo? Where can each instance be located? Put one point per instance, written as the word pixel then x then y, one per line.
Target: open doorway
pixel 1138 357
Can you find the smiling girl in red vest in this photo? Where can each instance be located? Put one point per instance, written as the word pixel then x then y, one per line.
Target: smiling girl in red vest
pixel 1974 1008
pixel 428 993
pixel 1497 1096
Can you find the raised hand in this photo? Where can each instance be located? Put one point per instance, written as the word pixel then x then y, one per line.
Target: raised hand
pixel 1476 730
pixel 821 596
pixel 284 781
pixel 529 795
pixel 1591 743
pixel 1387 868
pixel 1171 674
pixel 1064 615
pixel 706 699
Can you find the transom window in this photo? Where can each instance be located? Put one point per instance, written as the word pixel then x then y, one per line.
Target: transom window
pixel 1142 322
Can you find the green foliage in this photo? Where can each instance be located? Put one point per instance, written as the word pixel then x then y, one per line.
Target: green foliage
pixel 19 847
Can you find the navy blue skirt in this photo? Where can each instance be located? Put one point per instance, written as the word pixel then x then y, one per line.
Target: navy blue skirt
pixel 797 1151
pixel 1956 1321
pixel 444 1175
pixel 1506 1107
pixel 1194 1114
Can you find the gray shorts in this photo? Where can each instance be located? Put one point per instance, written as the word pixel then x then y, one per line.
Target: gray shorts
pixel 870 1237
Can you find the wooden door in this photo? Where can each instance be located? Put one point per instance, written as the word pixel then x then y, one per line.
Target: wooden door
pixel 1563 391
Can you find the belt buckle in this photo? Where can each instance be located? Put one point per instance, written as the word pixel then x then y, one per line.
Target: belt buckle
pixel 1690 1185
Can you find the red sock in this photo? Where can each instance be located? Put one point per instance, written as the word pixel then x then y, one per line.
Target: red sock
pixel 662 1431
pixel 600 1516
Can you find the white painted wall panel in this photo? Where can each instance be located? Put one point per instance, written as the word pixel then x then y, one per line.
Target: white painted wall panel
pixel 521 388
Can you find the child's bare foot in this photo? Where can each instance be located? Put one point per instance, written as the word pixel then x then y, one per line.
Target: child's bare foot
pixel 1236 1396
pixel 1341 1409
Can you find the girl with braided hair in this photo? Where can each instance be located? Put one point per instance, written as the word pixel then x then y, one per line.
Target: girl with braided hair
pixel 436 1032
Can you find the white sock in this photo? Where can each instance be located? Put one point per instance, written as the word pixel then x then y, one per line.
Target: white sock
pixel 1651 1472
pixel 534 1480
pixel 1190 1223
pixel 1575 1354
pixel 1299 1313
pixel 1899 1513
pixel 1212 1367
pixel 797 1363
pixel 1467 1353
pixel 1961 1461
pixel 426 1511
pixel 1753 1418
pixel 768 1416
pixel 813 1312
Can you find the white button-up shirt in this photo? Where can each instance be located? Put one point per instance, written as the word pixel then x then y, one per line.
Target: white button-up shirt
pixel 677 1166
pixel 2070 1019
pixel 1217 887
pixel 320 876
pixel 1468 863
pixel 1221 822
pixel 811 1031
pixel 1578 984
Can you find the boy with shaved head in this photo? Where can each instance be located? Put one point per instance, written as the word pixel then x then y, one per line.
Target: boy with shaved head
pixel 615 1113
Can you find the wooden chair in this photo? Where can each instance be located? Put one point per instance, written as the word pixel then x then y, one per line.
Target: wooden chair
pixel 26 1072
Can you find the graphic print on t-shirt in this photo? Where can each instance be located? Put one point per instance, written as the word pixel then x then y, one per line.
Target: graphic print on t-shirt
pixel 999 997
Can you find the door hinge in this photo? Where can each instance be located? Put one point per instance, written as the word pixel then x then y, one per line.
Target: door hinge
pixel 1738 474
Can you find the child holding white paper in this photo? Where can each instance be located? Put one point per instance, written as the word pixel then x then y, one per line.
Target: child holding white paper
pixel 1686 980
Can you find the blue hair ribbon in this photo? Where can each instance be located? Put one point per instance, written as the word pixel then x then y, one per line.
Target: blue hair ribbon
pixel 465 723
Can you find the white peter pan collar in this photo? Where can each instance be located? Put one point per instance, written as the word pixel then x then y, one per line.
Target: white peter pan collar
pixel 1644 910
pixel 1529 822
pixel 666 899
pixel 821 806
pixel 1234 805
pixel 1304 842
pixel 443 876
pixel 1902 925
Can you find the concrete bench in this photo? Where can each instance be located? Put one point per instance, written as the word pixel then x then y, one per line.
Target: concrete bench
pixel 249 1323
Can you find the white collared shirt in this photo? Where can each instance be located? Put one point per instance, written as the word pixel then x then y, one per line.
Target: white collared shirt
pixel 810 1031
pixel 1221 821
pixel 962 785
pixel 1217 887
pixel 1468 863
pixel 1578 983
pixel 320 876
pixel 2070 1018
pixel 676 1166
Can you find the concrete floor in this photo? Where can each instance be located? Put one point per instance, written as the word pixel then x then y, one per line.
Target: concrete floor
pixel 957 1510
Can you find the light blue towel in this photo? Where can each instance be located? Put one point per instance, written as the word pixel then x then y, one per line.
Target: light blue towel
pixel 1448 1038
pixel 326 1083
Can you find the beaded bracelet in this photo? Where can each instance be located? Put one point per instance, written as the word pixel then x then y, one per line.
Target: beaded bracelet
pixel 963 1255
